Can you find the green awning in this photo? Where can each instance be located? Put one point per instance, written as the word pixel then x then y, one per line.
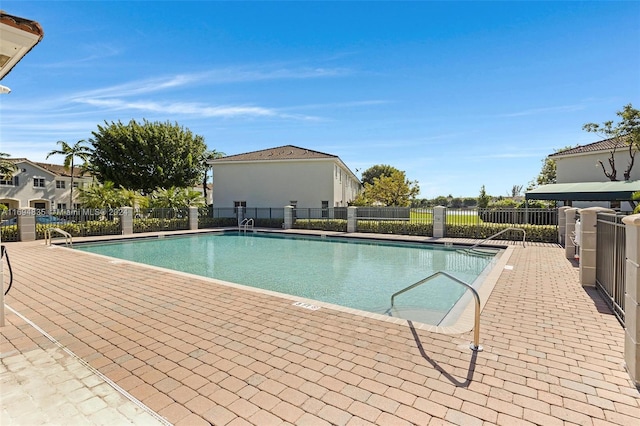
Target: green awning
pixel 585 191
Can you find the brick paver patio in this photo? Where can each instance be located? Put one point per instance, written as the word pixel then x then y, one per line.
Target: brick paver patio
pixel 195 352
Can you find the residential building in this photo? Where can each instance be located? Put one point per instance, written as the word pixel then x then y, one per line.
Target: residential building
pixel 281 176
pixel 42 186
pixel 581 180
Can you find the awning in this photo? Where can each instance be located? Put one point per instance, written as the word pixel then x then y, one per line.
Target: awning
pixel 585 191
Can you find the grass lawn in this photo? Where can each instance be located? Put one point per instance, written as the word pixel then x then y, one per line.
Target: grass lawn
pixel 461 217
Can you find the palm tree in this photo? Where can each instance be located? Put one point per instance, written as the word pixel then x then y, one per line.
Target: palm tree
pixel 7 168
pixel 70 152
pixel 206 156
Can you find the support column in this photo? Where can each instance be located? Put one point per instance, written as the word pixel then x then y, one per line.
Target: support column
pixel 240 214
pixel 126 220
pixel 288 217
pixel 570 227
pixel 352 219
pixel 588 244
pixel 27 224
pixel 632 297
pixel 193 218
pixel 439 221
pixel 562 225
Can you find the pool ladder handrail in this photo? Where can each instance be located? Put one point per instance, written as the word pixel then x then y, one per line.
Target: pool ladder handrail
pixel 247 223
pixel 475 346
pixel 524 237
pixel 68 239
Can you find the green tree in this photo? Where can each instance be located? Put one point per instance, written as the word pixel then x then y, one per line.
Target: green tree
pixel 392 190
pixel 624 134
pixel 70 152
pixel 377 171
pixel 7 168
pixel 483 198
pixel 173 198
pixel 147 156
pixel 206 156
pixel 101 196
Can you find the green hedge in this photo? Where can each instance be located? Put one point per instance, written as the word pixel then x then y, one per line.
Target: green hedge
pixel 83 229
pixel 216 222
pixel 395 227
pixel 9 233
pixel 537 233
pixel 158 224
pixel 337 225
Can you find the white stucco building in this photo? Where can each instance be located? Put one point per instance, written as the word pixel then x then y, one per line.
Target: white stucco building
pixel 581 181
pixel 285 175
pixel 41 186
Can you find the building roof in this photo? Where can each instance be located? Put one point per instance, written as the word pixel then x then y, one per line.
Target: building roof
pixel 55 169
pixel 19 36
pixel 585 191
pixel 604 145
pixel 286 152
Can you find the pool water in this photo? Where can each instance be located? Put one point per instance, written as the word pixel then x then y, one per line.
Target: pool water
pixel 358 274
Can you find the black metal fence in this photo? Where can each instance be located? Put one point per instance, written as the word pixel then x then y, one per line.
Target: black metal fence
pixel 155 220
pixel 325 219
pixel 610 261
pixel 264 217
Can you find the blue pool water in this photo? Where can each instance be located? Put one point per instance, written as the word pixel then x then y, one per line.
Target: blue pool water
pixel 359 274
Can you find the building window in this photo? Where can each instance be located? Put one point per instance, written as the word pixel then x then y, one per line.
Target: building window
pixel 237 204
pixel 76 184
pixel 62 206
pixel 38 182
pixel 325 209
pixel 10 182
pixel 60 184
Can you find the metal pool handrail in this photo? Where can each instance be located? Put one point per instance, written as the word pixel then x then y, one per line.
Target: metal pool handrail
pixel 475 346
pixel 246 223
pixel 524 236
pixel 68 239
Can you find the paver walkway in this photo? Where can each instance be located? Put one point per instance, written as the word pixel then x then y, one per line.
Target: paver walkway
pixel 200 353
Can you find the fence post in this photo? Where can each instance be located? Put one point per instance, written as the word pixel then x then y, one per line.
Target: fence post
pixel 439 221
pixel 570 227
pixel 288 217
pixel 632 297
pixel 27 224
pixel 352 219
pixel 562 224
pixel 193 218
pixel 588 244
pixel 126 220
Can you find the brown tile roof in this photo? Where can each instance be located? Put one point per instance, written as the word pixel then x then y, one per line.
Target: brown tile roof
pixel 53 168
pixel 287 152
pixel 604 145
pixel 22 24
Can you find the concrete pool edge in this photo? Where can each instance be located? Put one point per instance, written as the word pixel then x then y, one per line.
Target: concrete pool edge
pixel 462 324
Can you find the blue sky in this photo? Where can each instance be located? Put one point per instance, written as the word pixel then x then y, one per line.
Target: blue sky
pixel 456 94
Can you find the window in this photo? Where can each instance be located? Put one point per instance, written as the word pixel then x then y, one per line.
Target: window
pixel 237 204
pixel 60 184
pixel 10 182
pixel 76 184
pixel 325 209
pixel 38 182
pixel 62 206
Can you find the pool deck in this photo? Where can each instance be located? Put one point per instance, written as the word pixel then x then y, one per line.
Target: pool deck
pixel 89 340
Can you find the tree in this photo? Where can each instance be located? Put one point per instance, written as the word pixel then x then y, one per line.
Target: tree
pixel 377 171
pixel 147 156
pixel 392 190
pixel 548 174
pixel 516 190
pixel 7 168
pixel 70 152
pixel 624 134
pixel 483 198
pixel 206 156
pixel 101 196
pixel 173 198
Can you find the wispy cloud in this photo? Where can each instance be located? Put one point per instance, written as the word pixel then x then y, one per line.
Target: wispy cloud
pixel 544 110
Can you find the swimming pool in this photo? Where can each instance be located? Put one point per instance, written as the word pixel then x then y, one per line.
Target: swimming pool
pixel 354 273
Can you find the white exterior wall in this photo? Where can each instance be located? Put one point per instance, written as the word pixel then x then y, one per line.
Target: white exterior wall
pixel 26 195
pixel 585 167
pixel 277 183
